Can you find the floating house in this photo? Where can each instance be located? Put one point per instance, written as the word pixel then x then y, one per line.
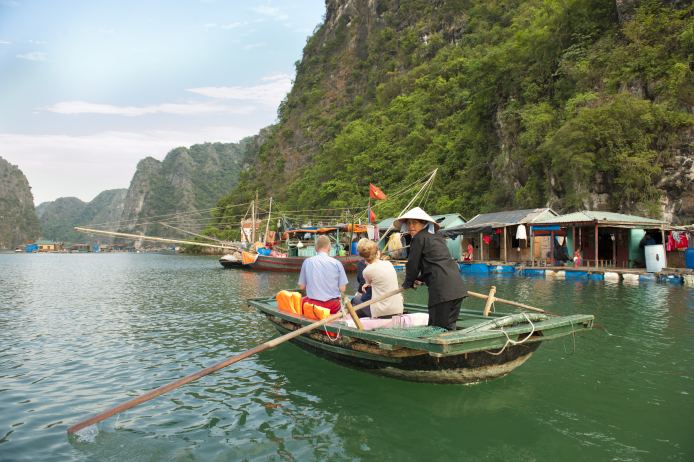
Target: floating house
pixel 603 239
pixel 445 221
pixel 49 246
pixel 501 236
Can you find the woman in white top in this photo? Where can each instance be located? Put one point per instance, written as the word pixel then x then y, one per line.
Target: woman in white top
pixel 382 278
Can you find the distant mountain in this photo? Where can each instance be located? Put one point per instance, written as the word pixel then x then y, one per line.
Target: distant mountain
pixel 187 180
pixel 59 217
pixel 18 221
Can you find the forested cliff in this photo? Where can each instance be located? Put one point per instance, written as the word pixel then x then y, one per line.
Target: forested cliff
pixel 59 217
pixel 18 221
pixel 521 103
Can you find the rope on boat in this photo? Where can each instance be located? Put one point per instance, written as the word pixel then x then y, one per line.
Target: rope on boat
pixel 514 342
pixel 343 310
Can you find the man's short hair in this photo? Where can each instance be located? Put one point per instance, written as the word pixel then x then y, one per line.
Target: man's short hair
pixel 322 243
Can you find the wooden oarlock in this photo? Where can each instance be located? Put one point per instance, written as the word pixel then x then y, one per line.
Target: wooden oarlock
pixel 508 302
pixel 490 301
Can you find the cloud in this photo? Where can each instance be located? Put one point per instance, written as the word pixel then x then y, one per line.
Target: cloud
pixel 34 56
pixel 270 93
pixel 5 42
pixel 85 107
pixel 271 11
pixel 37 42
pixel 252 46
pixel 227 26
pixel 83 166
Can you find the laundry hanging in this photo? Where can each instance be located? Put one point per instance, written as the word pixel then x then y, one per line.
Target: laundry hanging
pixel 521 233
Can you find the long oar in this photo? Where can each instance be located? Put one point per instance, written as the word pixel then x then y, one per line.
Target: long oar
pixel 227 362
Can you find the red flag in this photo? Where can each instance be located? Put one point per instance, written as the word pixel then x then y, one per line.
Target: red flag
pixel 372 216
pixel 376 193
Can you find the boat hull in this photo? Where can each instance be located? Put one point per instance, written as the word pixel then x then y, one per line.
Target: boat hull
pixel 293 264
pixel 408 364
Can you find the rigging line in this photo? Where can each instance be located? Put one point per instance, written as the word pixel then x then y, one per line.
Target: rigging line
pixel 191 233
pixel 411 185
pixel 163 216
pixel 428 182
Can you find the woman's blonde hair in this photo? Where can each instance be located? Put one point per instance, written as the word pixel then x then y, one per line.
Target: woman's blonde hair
pixel 367 249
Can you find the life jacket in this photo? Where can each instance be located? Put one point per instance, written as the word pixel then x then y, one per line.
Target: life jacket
pixel 316 312
pixel 289 302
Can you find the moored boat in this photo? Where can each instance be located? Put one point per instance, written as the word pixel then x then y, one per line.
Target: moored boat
pixel 484 347
pixel 231 260
pixel 293 264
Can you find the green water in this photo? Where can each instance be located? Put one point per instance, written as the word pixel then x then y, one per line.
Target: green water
pixel 81 333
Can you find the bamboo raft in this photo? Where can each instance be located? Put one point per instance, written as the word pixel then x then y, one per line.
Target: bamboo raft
pixel 484 347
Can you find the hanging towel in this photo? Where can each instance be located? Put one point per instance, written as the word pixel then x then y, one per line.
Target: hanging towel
pixel 520 233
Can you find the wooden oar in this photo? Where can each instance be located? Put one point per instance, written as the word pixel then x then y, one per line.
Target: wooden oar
pixel 227 362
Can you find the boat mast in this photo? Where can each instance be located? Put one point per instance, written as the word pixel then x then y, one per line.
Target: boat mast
pixel 253 224
pixel 267 226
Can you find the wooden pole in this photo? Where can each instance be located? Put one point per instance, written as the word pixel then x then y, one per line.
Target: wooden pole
pixel 267 226
pixel 596 244
pixel 573 239
pixel 151 238
pixel 505 246
pixel 227 362
pixel 353 314
pixel 508 302
pixel 551 248
pixel 532 245
pixel 662 235
pixel 490 301
pixel 253 224
pixel 481 248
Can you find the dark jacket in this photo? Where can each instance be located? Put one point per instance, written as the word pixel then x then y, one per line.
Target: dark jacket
pixel 361 265
pixel 430 262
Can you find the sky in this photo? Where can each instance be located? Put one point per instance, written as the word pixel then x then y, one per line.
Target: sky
pixel 90 87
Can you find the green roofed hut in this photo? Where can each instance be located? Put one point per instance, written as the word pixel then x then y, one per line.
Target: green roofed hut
pixel 604 239
pixel 445 221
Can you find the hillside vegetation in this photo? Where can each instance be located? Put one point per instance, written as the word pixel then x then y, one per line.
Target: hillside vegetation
pixel 59 217
pixel 521 103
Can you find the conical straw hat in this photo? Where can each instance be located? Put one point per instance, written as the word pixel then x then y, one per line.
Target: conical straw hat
pixel 415 214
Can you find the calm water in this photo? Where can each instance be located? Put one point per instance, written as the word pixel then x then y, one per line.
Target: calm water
pixel 81 333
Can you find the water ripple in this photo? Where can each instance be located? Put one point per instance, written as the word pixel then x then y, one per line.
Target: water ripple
pixel 81 333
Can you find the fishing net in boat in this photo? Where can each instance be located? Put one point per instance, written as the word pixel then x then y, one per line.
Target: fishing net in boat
pixel 411 332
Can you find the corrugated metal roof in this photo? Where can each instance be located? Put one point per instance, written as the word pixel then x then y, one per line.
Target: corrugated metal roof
pixel 507 218
pixel 602 217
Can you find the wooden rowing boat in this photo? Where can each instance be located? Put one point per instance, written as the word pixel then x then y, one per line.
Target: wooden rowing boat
pixel 485 347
